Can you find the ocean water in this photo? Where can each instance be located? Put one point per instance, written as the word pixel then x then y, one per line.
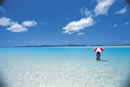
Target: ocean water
pixel 64 67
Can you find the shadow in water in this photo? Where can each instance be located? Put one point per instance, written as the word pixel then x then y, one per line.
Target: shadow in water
pixel 103 60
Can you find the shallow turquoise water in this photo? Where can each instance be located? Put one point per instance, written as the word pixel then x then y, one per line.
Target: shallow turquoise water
pixel 64 67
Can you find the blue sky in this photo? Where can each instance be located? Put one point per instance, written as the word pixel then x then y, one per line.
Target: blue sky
pixel 61 22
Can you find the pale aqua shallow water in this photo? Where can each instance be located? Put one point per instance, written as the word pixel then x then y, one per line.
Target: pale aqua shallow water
pixel 64 67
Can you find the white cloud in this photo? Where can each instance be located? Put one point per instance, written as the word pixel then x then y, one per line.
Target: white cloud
pixel 76 26
pixel 29 23
pixel 122 11
pixel 17 28
pixel 85 12
pixel 5 21
pixel 103 7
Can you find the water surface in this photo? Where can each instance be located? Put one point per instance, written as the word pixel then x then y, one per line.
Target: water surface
pixel 64 67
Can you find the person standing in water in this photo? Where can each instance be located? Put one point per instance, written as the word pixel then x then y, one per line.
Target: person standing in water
pixel 98 56
pixel 98 52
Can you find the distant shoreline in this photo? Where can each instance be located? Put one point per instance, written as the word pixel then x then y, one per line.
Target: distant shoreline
pixel 79 46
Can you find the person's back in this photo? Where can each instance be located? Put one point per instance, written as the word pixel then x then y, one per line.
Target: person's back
pixel 98 55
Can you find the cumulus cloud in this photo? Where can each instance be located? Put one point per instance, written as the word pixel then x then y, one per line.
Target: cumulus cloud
pixel 103 6
pixel 122 11
pixel 29 23
pixel 5 21
pixel 17 28
pixel 14 26
pixel 76 26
